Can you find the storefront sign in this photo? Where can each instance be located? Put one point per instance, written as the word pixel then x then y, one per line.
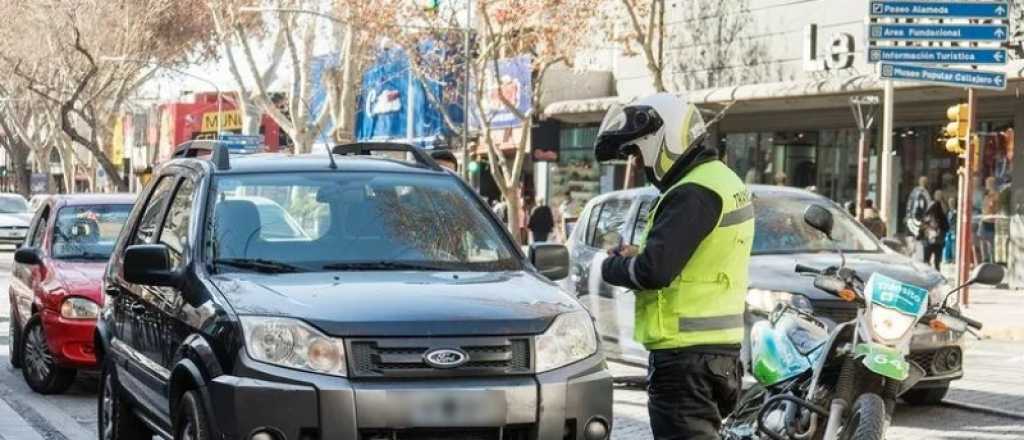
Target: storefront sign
pixel 938 32
pixel 925 9
pixel 941 55
pixel 840 53
pixel 228 120
pixel 965 78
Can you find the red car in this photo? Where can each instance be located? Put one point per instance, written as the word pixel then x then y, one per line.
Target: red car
pixel 55 287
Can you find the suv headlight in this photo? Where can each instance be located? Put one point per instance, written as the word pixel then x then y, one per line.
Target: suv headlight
pixel 76 307
pixel 888 324
pixel 764 301
pixel 570 338
pixel 291 343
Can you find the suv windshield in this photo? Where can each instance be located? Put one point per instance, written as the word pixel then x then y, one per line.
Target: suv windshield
pixel 780 229
pixel 88 232
pixel 350 221
pixel 13 205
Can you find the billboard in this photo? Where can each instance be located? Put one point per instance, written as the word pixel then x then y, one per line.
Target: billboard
pixel 513 81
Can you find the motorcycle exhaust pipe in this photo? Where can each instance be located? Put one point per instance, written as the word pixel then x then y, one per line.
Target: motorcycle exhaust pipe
pixel 835 418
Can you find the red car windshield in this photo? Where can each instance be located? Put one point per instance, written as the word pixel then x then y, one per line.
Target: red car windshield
pixel 88 232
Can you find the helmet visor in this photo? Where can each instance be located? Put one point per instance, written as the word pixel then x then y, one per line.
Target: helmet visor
pixel 621 128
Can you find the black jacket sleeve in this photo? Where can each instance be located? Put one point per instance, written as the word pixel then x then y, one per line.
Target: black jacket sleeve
pixel 686 215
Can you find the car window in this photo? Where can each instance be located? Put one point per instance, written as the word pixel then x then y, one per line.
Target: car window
pixel 39 228
pixel 610 224
pixel 174 233
pixel 641 221
pixel 352 221
pixel 592 223
pixel 150 220
pixel 13 205
pixel 88 232
pixel 779 228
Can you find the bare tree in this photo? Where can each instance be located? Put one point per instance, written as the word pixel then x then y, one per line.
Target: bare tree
pixel 504 29
pixel 716 48
pixel 646 24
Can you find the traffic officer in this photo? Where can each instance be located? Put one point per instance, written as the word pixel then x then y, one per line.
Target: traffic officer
pixel 690 270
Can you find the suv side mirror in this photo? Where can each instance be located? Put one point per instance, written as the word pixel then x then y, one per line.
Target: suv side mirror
pixel 28 255
pixel 552 260
pixel 819 218
pixel 150 265
pixel 988 273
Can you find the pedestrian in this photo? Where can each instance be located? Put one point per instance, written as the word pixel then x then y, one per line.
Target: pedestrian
pixel 781 179
pixel 872 220
pixel 689 273
pixel 542 222
pixel 990 209
pixel 567 214
pixel 917 204
pixel 501 210
pixel 935 225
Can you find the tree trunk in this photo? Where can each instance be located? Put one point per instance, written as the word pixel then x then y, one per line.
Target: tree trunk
pixel 20 170
pixel 514 200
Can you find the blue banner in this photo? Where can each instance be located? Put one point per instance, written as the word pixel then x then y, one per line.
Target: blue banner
pixel 934 75
pixel 513 80
pixel 939 55
pixel 921 9
pixel 938 32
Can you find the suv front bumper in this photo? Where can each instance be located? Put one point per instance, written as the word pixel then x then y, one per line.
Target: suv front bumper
pixel 298 405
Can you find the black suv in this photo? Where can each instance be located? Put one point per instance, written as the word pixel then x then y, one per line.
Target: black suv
pixel 350 296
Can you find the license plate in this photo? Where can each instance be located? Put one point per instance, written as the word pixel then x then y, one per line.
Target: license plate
pixel 462 408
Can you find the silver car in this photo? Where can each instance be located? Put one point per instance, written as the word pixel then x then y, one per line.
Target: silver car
pixel 14 218
pixel 781 241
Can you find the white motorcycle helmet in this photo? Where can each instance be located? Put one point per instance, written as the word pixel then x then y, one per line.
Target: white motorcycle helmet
pixel 660 128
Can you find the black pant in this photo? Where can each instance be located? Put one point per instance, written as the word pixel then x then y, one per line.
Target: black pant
pixel 933 254
pixel 690 392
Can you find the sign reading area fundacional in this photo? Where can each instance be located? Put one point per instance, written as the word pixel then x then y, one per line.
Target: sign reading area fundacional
pixel 966 78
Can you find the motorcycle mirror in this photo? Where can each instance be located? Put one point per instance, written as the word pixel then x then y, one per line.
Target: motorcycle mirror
pixel 987 273
pixel 819 218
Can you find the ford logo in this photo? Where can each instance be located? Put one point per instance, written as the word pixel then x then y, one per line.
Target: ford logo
pixel 445 358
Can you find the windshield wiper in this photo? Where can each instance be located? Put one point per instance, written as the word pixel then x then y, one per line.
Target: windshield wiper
pixel 259 265
pixel 382 265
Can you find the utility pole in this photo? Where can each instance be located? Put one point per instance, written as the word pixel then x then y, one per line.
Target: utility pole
pixel 864 109
pixel 887 188
pixel 965 245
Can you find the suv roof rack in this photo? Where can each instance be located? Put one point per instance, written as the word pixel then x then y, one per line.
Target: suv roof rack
pixel 367 148
pixel 218 151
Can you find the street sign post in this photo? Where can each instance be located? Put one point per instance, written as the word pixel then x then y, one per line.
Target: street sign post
pixel 937 55
pixel 949 77
pixel 928 9
pixel 938 32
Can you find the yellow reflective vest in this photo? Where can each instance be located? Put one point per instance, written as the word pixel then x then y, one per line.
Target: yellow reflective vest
pixel 705 303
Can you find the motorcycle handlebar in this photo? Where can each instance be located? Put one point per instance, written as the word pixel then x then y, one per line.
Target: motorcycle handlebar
pixel 800 268
pixel 972 323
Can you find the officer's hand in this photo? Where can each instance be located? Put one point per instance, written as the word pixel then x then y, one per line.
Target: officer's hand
pixel 624 251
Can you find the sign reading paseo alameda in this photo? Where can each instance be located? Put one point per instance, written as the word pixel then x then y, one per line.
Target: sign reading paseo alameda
pixel 929 9
pixel 950 77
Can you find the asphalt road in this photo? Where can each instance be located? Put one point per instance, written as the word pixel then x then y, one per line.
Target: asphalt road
pixel 72 416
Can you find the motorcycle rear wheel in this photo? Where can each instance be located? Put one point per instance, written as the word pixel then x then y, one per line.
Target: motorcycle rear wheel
pixel 866 420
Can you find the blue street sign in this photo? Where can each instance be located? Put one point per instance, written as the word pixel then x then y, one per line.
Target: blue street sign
pixel 938 32
pixel 237 142
pixel 950 77
pixel 922 9
pixel 937 55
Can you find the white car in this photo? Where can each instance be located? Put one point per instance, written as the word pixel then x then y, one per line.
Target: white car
pixel 15 215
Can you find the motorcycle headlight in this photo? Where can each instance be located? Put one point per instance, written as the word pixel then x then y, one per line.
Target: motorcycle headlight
pixel 888 324
pixel 570 338
pixel 291 343
pixel 79 308
pixel 764 301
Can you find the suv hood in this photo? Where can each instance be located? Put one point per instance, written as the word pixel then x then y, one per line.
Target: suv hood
pixel 775 271
pixel 396 303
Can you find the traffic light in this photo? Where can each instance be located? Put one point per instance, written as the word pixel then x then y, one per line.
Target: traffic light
pixel 959 117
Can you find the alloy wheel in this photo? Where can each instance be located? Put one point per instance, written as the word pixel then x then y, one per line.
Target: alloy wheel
pixel 107 416
pixel 38 359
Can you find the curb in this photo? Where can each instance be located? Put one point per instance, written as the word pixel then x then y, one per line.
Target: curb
pixel 983 409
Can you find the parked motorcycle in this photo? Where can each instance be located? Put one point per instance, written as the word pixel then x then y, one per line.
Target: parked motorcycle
pixel 842 384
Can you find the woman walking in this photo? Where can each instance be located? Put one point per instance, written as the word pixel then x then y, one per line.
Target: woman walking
pixel 935 226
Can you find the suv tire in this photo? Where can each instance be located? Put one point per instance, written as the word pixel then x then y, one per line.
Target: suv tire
pixel 192 423
pixel 14 343
pixel 926 396
pixel 40 370
pixel 117 421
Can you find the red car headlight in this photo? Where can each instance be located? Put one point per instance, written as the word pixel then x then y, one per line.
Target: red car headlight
pixel 79 308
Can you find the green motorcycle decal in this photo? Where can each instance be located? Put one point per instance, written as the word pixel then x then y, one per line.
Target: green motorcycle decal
pixel 886 361
pixel 902 297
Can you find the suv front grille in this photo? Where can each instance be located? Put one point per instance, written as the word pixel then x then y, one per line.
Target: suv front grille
pixel 514 432
pixel 404 357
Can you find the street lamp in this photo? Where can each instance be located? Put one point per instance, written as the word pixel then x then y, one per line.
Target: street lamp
pixel 220 93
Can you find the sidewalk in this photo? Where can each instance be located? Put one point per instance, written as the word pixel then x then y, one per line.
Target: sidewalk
pixel 1000 310
pixel 12 425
